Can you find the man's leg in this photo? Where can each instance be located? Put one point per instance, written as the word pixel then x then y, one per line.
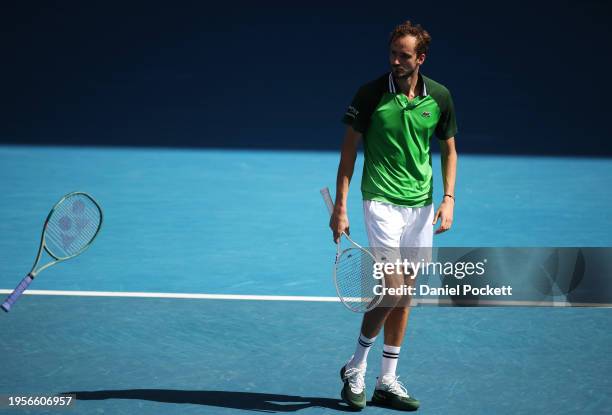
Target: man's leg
pixel 416 241
pixel 374 320
pixel 395 326
pixel 389 391
pixel 384 225
pixel 353 373
pixel 372 323
pixel 395 329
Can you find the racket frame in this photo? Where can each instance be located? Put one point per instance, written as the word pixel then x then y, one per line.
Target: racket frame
pixel 339 252
pixel 27 280
pixel 34 272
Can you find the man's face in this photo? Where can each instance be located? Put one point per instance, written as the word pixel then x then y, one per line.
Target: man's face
pixel 403 57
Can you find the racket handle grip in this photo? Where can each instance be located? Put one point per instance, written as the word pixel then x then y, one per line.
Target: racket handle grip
pixel 23 285
pixel 328 200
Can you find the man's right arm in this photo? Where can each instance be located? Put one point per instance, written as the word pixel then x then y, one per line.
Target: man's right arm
pixel 339 222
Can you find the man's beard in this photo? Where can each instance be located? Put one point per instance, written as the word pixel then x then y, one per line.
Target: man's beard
pixel 402 73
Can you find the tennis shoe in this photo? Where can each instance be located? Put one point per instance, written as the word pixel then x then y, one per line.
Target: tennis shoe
pixel 390 392
pixel 353 391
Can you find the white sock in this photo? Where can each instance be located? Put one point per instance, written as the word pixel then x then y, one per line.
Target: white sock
pixel 389 360
pixel 361 352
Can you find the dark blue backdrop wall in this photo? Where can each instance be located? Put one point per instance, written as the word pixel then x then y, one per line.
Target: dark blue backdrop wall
pixel 527 78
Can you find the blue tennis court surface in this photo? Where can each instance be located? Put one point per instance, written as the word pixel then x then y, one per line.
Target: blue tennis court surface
pixel 253 223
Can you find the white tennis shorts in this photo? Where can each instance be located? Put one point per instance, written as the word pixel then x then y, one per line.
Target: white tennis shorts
pixel 399 228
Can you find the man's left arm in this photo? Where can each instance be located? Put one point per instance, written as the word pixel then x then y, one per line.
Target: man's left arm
pixel 449 173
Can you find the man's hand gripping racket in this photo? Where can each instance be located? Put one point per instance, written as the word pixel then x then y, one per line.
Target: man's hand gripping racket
pixel 354 272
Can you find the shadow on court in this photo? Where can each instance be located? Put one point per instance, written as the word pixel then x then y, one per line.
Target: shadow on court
pixel 251 401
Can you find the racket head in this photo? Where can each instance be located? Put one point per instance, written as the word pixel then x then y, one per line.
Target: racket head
pixel 72 225
pixel 354 280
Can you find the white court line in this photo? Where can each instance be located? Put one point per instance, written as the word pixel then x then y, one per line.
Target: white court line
pixel 417 301
pixel 176 295
pixel 513 303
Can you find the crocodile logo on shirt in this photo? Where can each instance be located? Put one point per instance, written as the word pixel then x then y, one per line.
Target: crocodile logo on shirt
pixel 426 114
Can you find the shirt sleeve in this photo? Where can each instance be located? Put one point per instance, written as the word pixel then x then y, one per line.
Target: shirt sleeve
pixel 358 114
pixel 447 125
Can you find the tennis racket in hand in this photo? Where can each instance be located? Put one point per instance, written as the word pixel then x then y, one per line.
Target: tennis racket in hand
pixel 354 272
pixel 70 228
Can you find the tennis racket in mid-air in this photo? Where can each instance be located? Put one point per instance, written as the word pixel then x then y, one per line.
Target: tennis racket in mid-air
pixel 354 272
pixel 71 226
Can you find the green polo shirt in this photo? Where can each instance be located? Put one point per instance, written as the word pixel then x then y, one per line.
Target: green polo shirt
pixel 396 135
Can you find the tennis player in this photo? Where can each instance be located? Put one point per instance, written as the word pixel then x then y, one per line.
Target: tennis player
pixel 396 115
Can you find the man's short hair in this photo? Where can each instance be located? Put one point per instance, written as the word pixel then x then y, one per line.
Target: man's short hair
pixel 408 29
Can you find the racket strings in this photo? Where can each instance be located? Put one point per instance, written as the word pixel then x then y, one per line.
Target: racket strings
pixel 72 226
pixel 354 279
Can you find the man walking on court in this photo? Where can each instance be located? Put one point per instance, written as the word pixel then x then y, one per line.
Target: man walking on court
pixel 396 115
